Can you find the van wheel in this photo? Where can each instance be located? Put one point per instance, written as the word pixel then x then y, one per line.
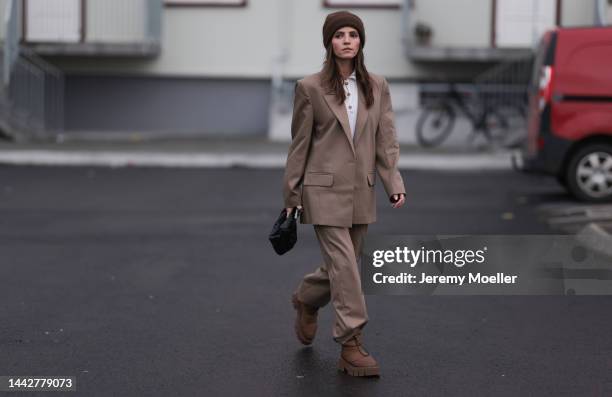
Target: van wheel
pixel 589 173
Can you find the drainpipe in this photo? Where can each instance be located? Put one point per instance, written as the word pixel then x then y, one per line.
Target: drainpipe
pixel 406 25
pixel 534 24
pixel 11 40
pixel 285 34
pixel 601 12
pixel 280 104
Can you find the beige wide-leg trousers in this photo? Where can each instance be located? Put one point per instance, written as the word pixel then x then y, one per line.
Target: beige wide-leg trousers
pixel 338 279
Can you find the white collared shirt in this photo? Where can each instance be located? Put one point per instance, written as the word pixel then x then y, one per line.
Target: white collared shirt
pixel 352 99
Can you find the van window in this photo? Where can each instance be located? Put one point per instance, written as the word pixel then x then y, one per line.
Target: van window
pixel 537 64
pixel 545 56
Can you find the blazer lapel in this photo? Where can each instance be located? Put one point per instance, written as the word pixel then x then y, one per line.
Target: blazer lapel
pixel 362 116
pixel 339 111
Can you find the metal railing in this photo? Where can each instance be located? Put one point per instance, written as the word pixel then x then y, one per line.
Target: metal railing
pixel 32 105
pixel 32 93
pixel 504 85
pixel 495 102
pixel 104 22
pixel 12 35
pixel 507 83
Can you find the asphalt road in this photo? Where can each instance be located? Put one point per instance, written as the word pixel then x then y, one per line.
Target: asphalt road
pixel 160 282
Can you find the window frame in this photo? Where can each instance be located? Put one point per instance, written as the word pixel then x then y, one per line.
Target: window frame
pixel 391 4
pixel 205 3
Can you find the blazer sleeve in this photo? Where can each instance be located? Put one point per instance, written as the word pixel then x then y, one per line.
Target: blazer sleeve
pixel 301 135
pixel 387 147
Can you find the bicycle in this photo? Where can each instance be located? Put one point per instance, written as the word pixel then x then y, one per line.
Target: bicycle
pixel 494 123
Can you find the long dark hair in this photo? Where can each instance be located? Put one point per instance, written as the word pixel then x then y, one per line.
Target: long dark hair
pixel 332 79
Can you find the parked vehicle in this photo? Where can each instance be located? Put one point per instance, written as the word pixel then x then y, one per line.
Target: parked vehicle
pixel 570 112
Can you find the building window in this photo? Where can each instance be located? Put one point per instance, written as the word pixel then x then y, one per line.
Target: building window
pixel 207 3
pixel 362 3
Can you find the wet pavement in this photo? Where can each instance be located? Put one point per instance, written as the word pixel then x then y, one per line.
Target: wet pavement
pixel 155 281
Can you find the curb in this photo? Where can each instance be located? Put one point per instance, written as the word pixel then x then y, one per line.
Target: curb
pixel 597 238
pixel 447 162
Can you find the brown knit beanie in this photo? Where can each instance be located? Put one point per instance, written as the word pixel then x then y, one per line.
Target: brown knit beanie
pixel 340 19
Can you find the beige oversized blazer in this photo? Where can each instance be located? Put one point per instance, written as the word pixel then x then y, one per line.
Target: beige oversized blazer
pixel 331 175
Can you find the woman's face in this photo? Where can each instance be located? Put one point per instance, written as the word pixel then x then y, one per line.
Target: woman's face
pixel 346 42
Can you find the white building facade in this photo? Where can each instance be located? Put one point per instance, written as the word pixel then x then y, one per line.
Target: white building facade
pixel 227 67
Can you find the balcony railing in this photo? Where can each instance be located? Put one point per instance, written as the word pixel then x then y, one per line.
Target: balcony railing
pixel 130 28
pixel 32 90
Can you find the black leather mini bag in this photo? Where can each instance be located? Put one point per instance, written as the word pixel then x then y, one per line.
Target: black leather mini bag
pixel 284 232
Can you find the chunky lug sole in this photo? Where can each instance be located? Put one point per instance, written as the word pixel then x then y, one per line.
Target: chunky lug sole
pixel 298 332
pixel 346 367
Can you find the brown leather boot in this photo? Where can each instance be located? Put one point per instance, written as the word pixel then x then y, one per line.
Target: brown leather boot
pixel 306 320
pixel 355 360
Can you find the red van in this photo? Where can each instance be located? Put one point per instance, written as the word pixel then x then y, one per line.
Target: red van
pixel 570 112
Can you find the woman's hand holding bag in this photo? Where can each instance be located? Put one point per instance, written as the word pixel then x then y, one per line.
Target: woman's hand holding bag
pixel 284 232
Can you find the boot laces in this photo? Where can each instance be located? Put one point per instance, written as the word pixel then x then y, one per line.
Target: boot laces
pixel 359 345
pixel 357 339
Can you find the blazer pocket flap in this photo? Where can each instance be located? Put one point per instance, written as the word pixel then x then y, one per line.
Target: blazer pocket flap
pixel 318 179
pixel 371 178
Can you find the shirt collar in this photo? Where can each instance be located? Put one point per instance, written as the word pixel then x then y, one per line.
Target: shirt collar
pixel 353 76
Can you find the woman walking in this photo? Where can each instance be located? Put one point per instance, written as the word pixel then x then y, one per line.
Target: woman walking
pixel 342 133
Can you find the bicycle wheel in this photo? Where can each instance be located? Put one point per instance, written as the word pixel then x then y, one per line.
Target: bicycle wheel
pixel 435 124
pixel 495 128
pixel 503 128
pixel 516 125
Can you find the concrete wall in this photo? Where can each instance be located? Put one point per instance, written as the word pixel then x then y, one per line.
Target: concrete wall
pixel 462 23
pixel 248 42
pixel 578 12
pixel 218 42
pixel 383 50
pixel 213 75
